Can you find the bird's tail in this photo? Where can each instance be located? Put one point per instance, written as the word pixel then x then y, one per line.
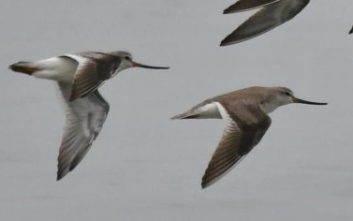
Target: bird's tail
pixel 205 110
pixel 24 67
pixel 186 115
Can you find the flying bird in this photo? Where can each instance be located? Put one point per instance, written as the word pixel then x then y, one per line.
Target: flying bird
pixel 246 114
pixel 272 14
pixel 79 76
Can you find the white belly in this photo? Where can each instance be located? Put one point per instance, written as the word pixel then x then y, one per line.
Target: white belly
pixel 57 69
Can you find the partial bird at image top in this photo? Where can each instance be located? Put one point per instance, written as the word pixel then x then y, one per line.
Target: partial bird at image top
pixel 271 14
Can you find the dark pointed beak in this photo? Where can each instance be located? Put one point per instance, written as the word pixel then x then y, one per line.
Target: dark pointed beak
pixel 300 101
pixel 135 64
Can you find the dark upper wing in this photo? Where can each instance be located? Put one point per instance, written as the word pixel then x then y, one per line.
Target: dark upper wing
pixel 246 125
pixel 264 20
pixel 93 68
pixel 84 120
pixel 351 31
pixel 243 5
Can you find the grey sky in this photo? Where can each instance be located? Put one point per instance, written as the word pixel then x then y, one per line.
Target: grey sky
pixel 144 166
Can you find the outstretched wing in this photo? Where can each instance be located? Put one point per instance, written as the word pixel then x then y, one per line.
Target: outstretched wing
pixel 92 69
pixel 84 120
pixel 243 5
pixel 245 127
pixel 267 18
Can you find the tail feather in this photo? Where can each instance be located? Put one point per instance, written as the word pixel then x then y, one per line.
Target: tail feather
pixel 24 67
pixel 205 110
pixel 186 115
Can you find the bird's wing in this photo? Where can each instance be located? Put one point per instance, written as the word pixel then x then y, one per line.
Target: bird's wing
pixel 243 5
pixel 351 31
pixel 246 125
pixel 265 19
pixel 93 68
pixel 84 120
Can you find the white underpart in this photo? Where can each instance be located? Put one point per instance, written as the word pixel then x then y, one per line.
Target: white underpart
pixel 208 111
pixel 122 66
pixel 82 62
pixel 230 123
pixel 90 114
pixel 87 112
pixel 84 120
pixel 56 68
pixel 79 59
pixel 269 106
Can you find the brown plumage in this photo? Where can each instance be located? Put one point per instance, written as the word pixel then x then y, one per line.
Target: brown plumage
pixel 79 75
pixel 244 5
pixel 24 67
pixel 272 14
pixel 246 114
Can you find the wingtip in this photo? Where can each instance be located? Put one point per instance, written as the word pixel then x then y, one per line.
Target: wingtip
pixel 59 177
pixel 233 38
pixel 229 40
pixel 228 11
pixel 231 9
pixel 61 173
pixel 206 183
pixel 225 42
pixel 351 31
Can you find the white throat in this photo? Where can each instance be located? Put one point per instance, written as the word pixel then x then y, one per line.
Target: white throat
pixel 122 66
pixel 268 107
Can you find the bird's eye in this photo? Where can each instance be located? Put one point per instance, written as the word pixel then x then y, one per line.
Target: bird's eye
pixel 128 58
pixel 287 93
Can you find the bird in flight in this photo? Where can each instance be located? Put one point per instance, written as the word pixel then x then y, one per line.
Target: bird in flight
pixel 246 114
pixel 271 14
pixel 79 76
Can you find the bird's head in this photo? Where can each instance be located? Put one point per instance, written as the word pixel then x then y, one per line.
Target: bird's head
pixel 279 96
pixel 285 96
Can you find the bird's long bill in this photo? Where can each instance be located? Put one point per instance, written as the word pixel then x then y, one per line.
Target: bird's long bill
pixel 297 100
pixel 135 64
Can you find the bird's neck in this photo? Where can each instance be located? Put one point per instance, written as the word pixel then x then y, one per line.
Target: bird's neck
pixel 268 107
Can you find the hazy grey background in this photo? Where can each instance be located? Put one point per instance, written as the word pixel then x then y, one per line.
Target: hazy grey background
pixel 144 166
